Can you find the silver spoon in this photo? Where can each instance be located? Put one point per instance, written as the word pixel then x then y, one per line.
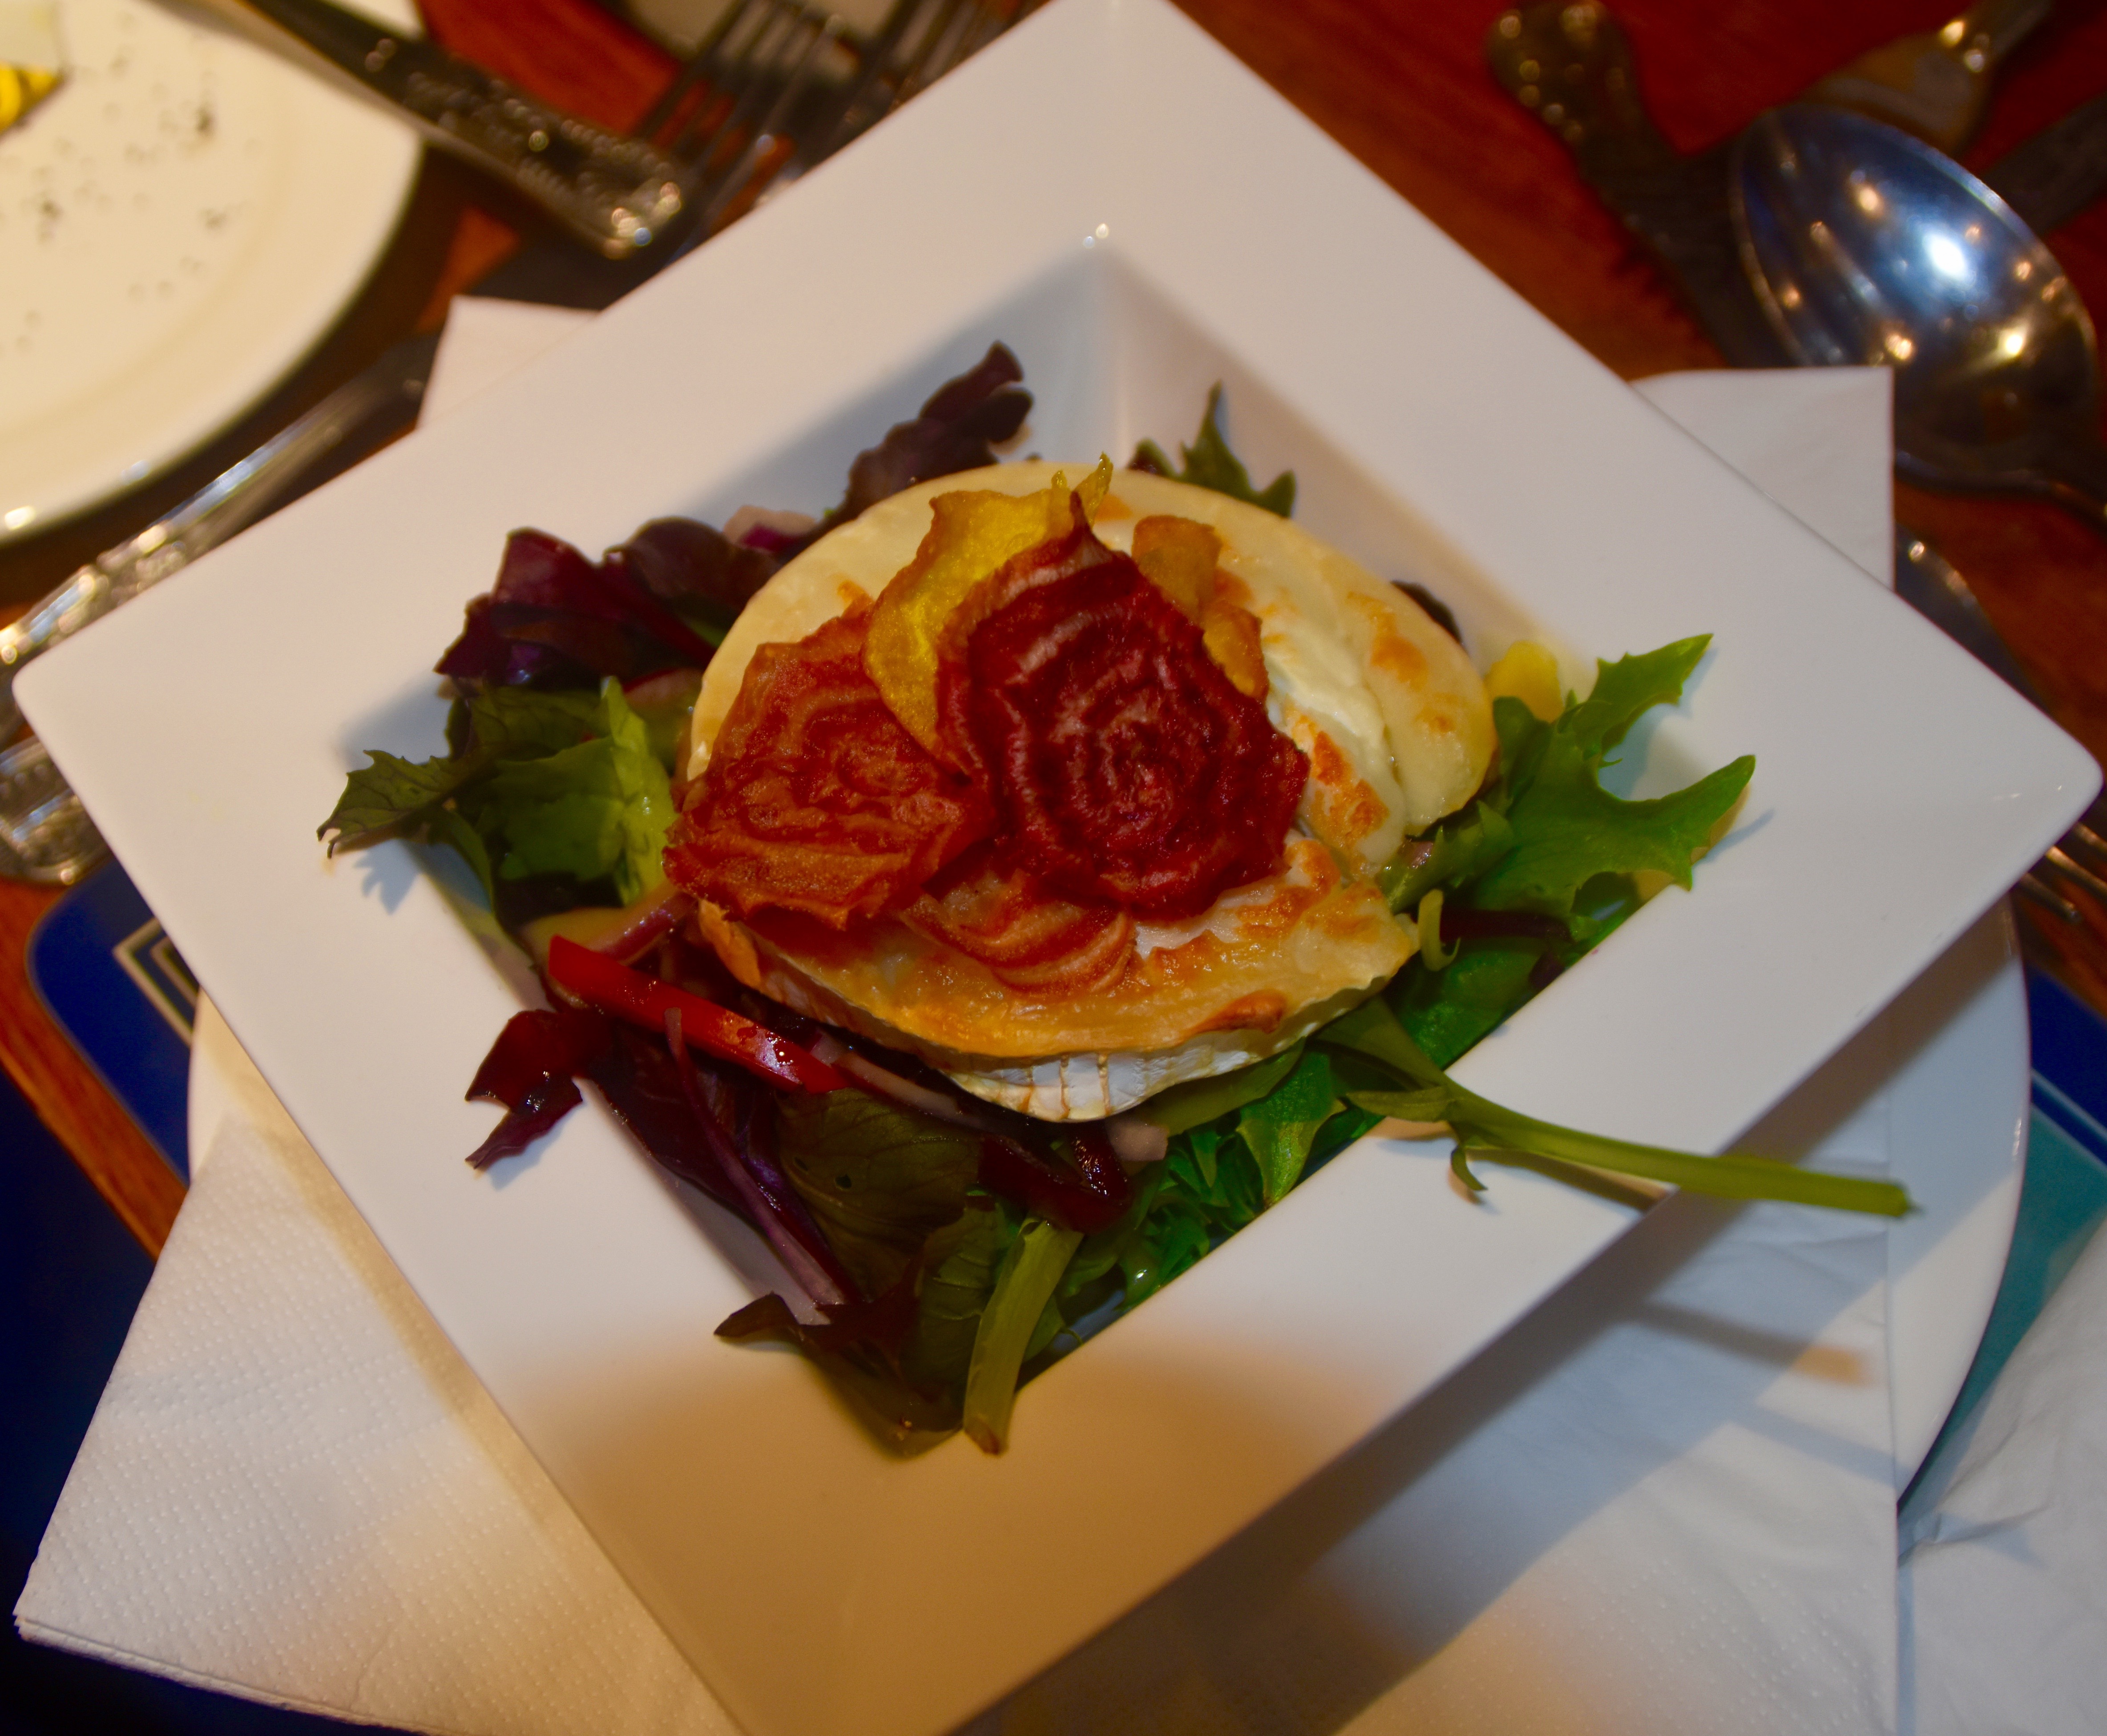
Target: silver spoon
pixel 1866 246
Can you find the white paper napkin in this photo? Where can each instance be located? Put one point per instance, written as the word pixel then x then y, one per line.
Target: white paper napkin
pixel 2005 1564
pixel 1662 1502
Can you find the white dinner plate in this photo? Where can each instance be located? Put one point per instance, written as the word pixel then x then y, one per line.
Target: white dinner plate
pixel 180 223
pixel 1108 191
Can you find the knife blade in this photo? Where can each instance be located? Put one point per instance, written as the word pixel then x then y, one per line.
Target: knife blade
pixel 1929 583
pixel 1571 66
pixel 372 407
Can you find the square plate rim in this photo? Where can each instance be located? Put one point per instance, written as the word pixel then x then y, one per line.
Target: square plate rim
pixel 1098 48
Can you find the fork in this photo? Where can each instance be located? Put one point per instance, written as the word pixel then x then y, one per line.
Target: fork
pixel 756 101
pixel 780 85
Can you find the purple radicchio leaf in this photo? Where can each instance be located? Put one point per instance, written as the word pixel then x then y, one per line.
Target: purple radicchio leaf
pixel 555 619
pixel 957 430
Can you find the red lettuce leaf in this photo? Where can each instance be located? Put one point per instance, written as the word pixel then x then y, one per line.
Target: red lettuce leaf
pixel 555 619
pixel 957 430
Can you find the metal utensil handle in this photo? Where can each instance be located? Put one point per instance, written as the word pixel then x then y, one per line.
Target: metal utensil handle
pixel 614 192
pixel 1571 66
pixel 2073 473
pixel 392 387
pixel 2058 172
pixel 1996 27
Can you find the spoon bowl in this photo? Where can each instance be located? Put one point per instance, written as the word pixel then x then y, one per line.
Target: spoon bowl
pixel 1867 246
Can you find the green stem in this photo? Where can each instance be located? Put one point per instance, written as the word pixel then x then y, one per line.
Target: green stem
pixel 1373 1030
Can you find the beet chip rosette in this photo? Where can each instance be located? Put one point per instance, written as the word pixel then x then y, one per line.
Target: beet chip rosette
pixel 815 799
pixel 1073 784
pixel 1127 768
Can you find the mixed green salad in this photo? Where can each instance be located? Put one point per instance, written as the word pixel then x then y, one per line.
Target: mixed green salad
pixel 947 1249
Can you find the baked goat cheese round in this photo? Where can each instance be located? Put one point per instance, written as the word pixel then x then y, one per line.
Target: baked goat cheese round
pixel 1069 1003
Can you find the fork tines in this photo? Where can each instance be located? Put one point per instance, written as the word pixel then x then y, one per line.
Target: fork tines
pixel 781 81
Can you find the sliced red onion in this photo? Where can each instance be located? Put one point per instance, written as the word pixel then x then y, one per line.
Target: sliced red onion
pixel 838 1055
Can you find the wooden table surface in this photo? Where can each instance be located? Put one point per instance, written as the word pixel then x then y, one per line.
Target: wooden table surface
pixel 1402 84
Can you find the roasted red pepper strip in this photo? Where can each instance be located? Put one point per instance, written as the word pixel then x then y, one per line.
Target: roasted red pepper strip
pixel 599 981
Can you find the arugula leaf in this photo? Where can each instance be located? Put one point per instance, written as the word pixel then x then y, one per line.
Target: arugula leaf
pixel 1279 1129
pixel 1625 690
pixel 389 793
pixel 1210 464
pixel 1568 829
pixel 1545 837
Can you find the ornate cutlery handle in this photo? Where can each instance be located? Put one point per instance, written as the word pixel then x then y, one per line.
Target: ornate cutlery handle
pixel 1570 65
pixel 2058 172
pixel 614 192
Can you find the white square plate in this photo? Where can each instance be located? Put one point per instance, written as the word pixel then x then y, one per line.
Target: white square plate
pixel 1137 216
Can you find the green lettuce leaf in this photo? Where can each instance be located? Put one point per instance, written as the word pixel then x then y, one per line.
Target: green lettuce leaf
pixel 1198 1102
pixel 1545 837
pixel 1485 1128
pixel 1457 850
pixel 597 810
pixel 1280 1127
pixel 962 1259
pixel 878 1179
pixel 388 793
pixel 594 811
pixel 1566 829
pixel 522 723
pixel 1449 1011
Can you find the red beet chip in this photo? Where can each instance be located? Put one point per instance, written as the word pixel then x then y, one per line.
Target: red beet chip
pixel 815 799
pixel 1126 765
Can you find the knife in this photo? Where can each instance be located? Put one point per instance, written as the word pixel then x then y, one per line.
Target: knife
pixel 2057 172
pixel 1926 581
pixel 371 406
pixel 1571 66
pixel 616 193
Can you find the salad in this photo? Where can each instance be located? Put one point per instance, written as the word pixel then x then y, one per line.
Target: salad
pixel 999 890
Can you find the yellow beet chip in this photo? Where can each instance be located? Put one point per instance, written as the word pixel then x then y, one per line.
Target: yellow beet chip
pixel 1231 634
pixel 972 533
pixel 1179 558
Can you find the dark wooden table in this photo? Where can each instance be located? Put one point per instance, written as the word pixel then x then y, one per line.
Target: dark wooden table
pixel 1400 84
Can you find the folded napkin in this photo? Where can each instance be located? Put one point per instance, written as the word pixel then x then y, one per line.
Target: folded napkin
pixel 2004 1569
pixel 1665 1502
